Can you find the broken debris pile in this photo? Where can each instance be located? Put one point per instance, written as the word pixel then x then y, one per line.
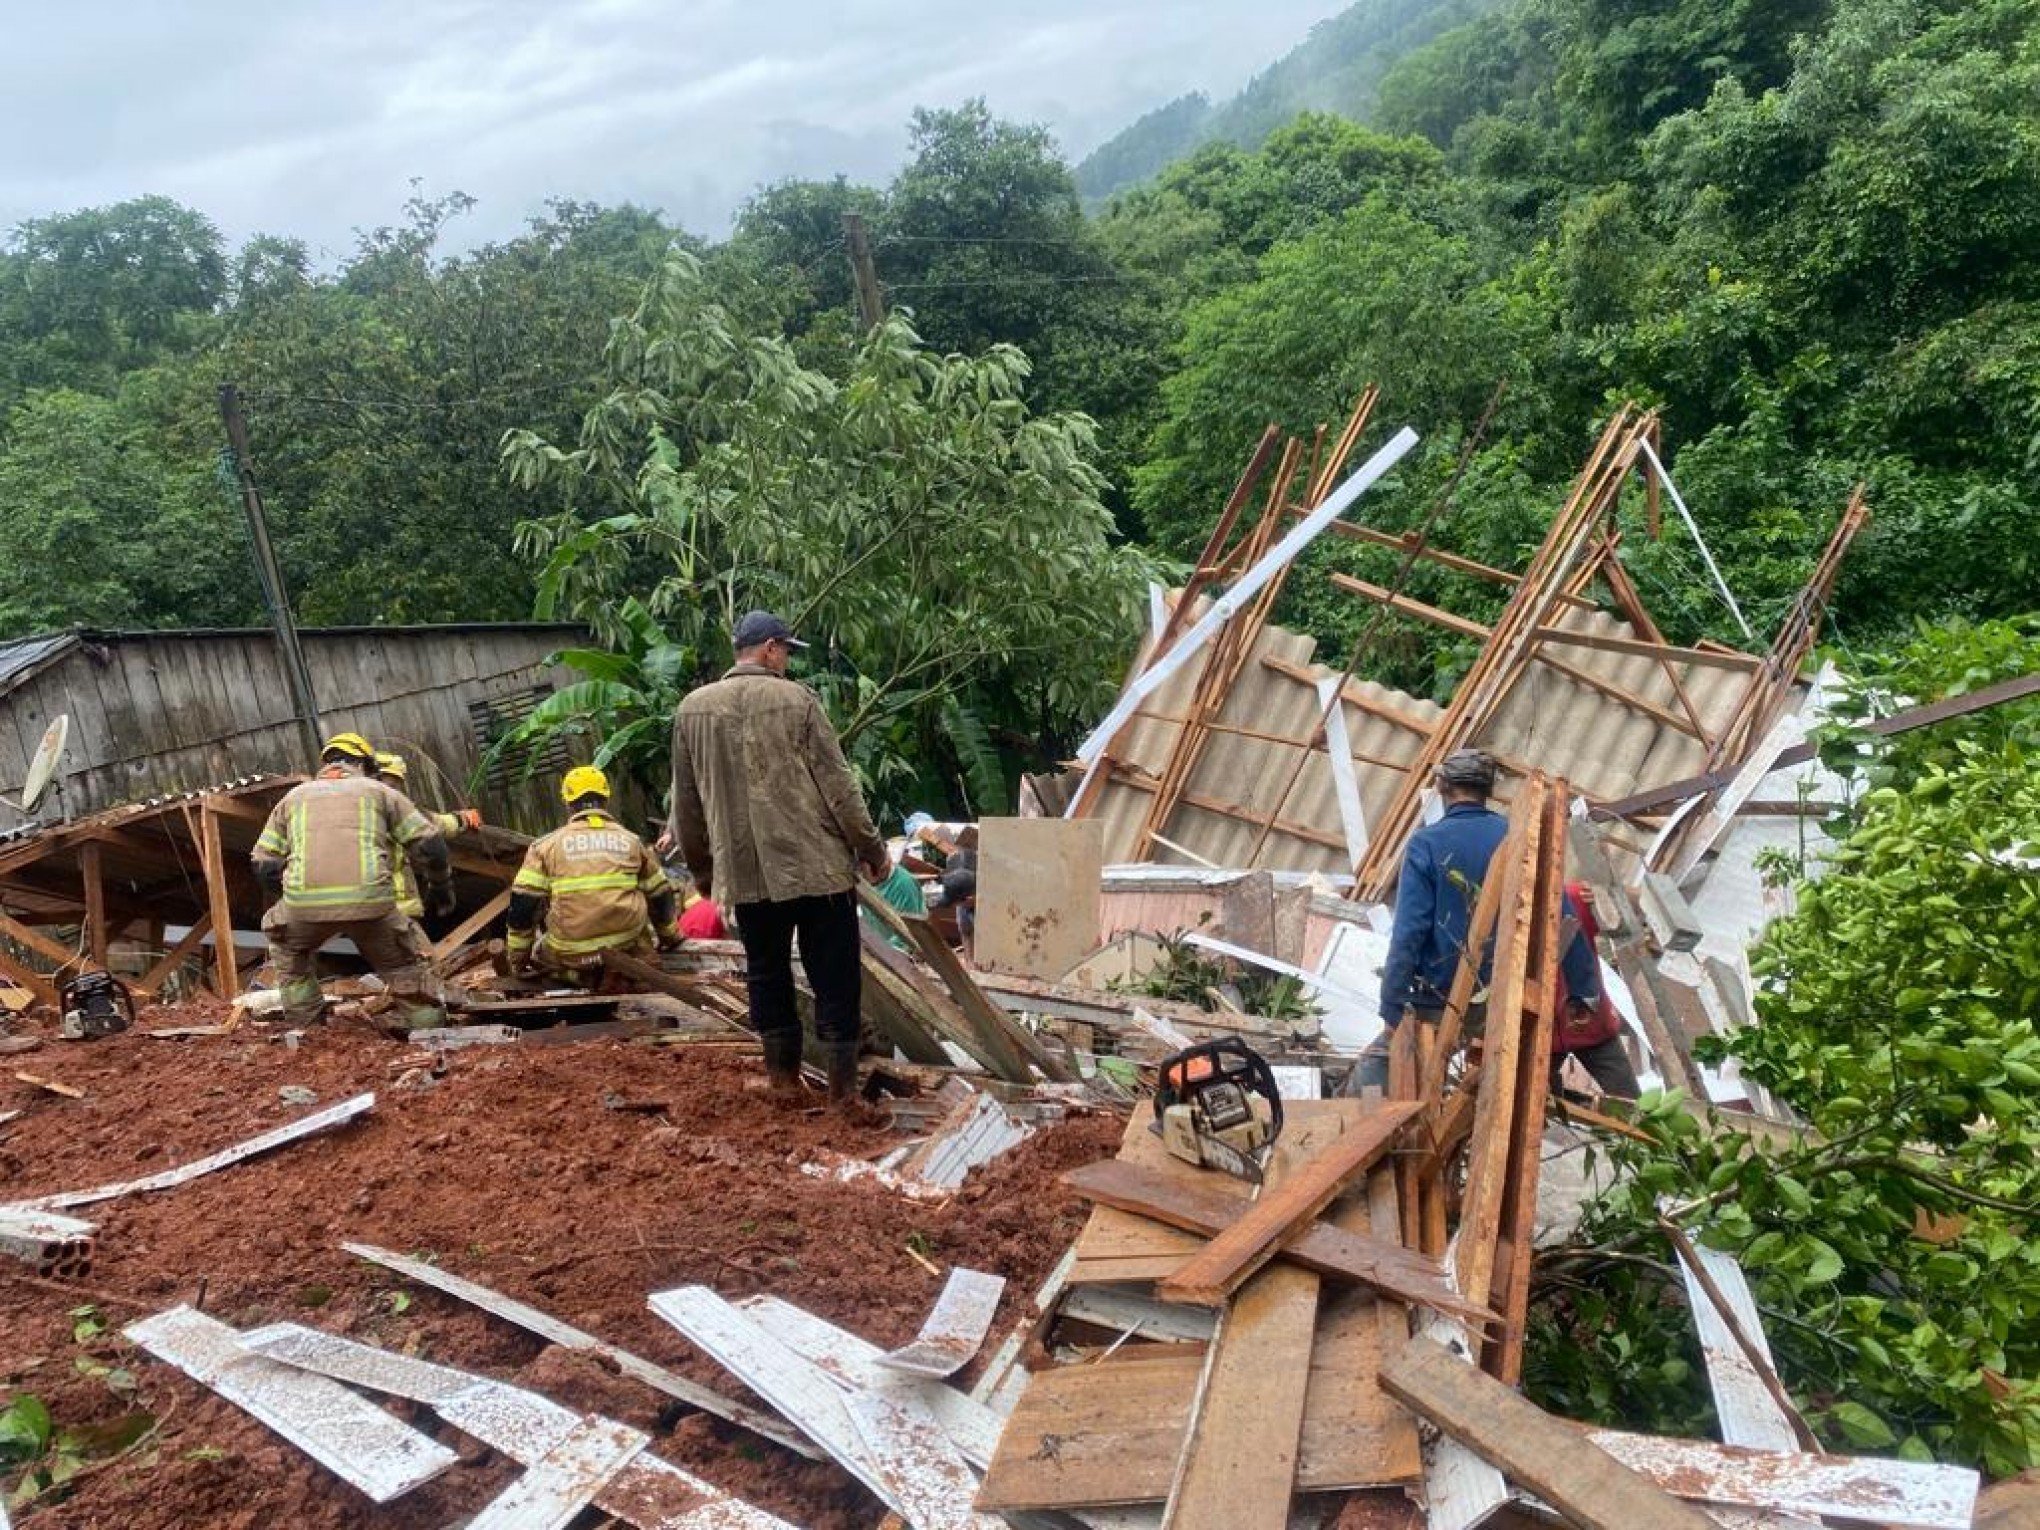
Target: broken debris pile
pixel 1233 1359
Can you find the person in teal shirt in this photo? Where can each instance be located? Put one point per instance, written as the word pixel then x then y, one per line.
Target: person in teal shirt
pixel 902 893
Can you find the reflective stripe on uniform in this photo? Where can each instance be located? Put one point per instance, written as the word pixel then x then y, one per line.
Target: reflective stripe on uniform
pixel 598 881
pixel 567 947
pixel 334 836
pixel 413 826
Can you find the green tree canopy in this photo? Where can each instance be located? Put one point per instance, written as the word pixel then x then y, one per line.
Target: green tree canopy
pixel 944 549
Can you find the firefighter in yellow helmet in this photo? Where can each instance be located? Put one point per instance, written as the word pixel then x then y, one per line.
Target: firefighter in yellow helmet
pixel 394 771
pixel 589 886
pixel 328 858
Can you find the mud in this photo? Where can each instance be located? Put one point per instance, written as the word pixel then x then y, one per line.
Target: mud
pixel 510 1170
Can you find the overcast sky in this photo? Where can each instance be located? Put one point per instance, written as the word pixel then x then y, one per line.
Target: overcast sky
pixel 311 117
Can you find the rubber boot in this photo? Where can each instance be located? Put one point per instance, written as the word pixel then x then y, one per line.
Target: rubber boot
pixel 782 1066
pixel 304 1002
pixel 843 1096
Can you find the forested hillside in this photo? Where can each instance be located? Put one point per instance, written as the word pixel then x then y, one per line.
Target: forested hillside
pixel 1337 68
pixel 1805 229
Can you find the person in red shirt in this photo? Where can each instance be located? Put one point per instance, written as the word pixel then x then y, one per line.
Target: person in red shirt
pixel 701 919
pixel 1592 1032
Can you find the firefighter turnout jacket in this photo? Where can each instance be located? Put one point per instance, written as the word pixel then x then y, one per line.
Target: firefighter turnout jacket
pixel 597 886
pixel 409 902
pixel 340 838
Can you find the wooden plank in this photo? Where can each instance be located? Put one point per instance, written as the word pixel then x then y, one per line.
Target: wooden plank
pixel 1882 727
pixel 1413 544
pixel 1480 1220
pixel 471 926
pixel 1096 1435
pixel 40 944
pixel 1461 1488
pixel 956 1328
pixel 1506 657
pixel 556 1487
pixel 1910 1493
pixel 1238 1464
pixel 1111 1432
pixel 1037 899
pixel 1167 626
pixel 152 981
pixel 1122 1246
pixel 1609 643
pixel 1238 1469
pixel 1206 1208
pixel 25 976
pixel 344 1432
pixel 566 1336
pixel 212 853
pixel 1223 1264
pixel 92 872
pixel 1534 1017
pixel 893 1010
pixel 1002 1038
pixel 1532 1448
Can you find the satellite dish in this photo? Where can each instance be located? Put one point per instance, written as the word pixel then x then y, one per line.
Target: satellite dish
pixel 49 754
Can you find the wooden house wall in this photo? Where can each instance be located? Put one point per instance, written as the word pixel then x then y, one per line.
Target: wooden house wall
pixel 154 715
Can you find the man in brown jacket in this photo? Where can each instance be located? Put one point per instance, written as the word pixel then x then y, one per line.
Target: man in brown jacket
pixel 772 825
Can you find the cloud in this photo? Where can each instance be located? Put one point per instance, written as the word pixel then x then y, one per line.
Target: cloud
pixel 313 118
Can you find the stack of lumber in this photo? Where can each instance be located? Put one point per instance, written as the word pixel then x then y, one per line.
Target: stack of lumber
pixel 1355 1326
pixel 1250 1376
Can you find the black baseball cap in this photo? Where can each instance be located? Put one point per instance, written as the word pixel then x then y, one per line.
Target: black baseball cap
pixel 755 627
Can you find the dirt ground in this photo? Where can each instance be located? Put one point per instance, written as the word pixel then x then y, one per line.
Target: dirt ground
pixel 511 1170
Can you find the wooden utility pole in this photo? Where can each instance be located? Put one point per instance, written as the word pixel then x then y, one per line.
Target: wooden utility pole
pixel 274 594
pixel 870 301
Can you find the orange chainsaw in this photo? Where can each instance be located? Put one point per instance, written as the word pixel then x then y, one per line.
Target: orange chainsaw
pixel 1216 1106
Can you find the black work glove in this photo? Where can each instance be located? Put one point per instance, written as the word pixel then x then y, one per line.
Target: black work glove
pixel 269 877
pixel 439 899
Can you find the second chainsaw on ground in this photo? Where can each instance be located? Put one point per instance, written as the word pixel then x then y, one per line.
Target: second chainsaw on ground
pixel 1216 1106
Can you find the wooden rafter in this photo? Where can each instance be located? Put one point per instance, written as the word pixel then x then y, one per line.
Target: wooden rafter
pixel 1469 628
pixel 1413 544
pixel 1236 641
pixel 1208 567
pixel 1505 657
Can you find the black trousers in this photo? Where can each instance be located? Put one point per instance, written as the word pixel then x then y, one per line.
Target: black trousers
pixel 827 927
pixel 1607 1063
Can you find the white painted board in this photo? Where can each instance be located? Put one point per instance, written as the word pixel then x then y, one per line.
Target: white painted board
pixel 341 1430
pixel 955 1329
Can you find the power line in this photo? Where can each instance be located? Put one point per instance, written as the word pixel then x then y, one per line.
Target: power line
pixel 974 239
pixel 1017 279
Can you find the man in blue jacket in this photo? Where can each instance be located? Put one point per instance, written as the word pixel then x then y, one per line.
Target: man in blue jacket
pixel 1441 875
